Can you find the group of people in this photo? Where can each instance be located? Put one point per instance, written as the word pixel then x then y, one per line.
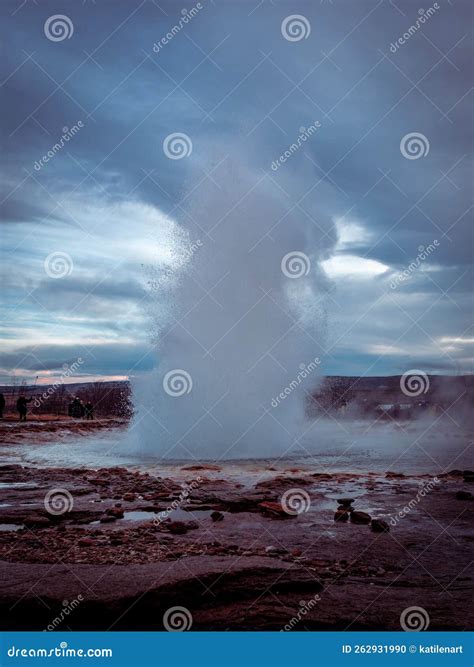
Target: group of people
pixel 76 408
pixel 79 410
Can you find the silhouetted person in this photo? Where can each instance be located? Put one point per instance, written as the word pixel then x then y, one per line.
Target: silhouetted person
pixel 22 407
pixel 89 410
pixel 2 405
pixel 70 408
pixel 77 408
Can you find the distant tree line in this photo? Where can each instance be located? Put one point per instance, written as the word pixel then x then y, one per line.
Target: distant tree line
pixel 110 399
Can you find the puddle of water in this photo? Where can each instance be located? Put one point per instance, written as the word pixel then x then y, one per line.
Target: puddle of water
pixel 182 515
pixel 138 515
pixel 10 527
pixel 175 515
pixel 142 515
pixel 18 485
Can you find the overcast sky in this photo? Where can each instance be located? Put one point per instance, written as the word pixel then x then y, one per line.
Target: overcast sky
pixel 111 201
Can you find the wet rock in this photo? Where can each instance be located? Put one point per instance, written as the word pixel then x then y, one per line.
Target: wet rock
pixel 275 510
pixel 345 508
pixel 86 542
pixel 207 466
pixel 217 516
pixel 108 518
pixel 11 468
pixel 115 512
pixel 345 502
pixel 451 473
pixel 37 521
pixel 341 515
pixel 360 517
pixel 296 553
pixel 468 475
pixel 394 475
pixel 177 527
pixel 464 495
pixel 99 481
pixel 379 526
pixel 129 497
pixel 281 483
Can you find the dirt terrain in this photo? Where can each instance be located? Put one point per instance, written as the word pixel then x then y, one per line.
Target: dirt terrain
pixel 133 544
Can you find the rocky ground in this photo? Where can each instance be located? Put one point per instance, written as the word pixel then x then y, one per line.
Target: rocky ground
pixel 235 553
pixel 42 428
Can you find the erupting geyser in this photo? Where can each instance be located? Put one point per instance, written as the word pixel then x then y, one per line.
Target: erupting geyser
pixel 238 315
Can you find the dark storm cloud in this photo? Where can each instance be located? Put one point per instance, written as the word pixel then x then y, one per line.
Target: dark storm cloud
pixel 231 73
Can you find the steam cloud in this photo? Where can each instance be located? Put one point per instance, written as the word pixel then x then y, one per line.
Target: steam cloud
pixel 226 317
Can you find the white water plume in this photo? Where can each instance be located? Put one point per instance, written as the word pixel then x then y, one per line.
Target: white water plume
pixel 238 317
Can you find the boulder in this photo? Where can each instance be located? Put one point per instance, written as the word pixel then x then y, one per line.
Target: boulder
pixel 275 510
pixel 464 495
pixel 345 508
pixel 345 502
pixel 217 516
pixel 360 517
pixel 379 526
pixel 341 515
pixel 99 481
pixel 37 521
pixel 177 527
